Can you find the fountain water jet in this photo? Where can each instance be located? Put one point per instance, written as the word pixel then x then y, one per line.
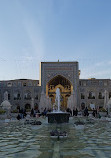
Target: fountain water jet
pixel 57 102
pixel 58 99
pixel 57 116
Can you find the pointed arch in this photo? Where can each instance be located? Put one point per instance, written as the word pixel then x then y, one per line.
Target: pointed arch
pixel 59 79
pixel 63 84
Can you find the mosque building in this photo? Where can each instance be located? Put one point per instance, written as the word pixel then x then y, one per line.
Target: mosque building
pixel 53 75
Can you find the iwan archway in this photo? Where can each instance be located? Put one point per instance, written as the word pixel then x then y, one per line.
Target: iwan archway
pixel 65 87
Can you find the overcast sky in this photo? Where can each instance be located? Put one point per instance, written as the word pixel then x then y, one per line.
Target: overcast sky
pixel 32 31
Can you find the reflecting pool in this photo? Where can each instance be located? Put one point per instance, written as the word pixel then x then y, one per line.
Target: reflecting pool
pixel 26 141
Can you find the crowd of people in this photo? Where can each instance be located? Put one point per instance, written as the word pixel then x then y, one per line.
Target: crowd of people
pixel 35 112
pixel 95 113
pixel 22 113
pixel 85 112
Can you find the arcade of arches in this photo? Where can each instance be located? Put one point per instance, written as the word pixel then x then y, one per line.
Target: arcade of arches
pixel 65 88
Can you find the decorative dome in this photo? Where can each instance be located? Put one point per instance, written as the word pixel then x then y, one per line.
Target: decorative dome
pixel 6 104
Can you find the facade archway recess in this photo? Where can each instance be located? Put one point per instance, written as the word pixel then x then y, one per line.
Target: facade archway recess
pixel 65 87
pixel 27 106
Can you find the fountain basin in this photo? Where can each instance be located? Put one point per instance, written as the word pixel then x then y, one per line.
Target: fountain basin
pixel 58 117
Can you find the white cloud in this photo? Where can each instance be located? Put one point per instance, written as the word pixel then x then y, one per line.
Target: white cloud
pixel 34 53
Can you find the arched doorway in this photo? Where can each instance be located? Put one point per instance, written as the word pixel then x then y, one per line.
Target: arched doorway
pixel 65 87
pixel 82 106
pixel 27 106
pixel 36 106
pixel 27 95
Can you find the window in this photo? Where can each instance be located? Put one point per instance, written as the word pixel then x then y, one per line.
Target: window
pixel 4 84
pixel 29 83
pixel 17 95
pixel 94 83
pixel 8 96
pixel 82 106
pixel 88 83
pixel 91 95
pixel 101 95
pixel 109 94
pixel 19 84
pixel 82 83
pixel 14 84
pixel 25 84
pixel 82 96
pixel 9 84
pixel 100 83
pixel 27 95
pixel 27 106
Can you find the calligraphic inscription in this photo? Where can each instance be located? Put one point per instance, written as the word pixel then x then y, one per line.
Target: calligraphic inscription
pixel 59 68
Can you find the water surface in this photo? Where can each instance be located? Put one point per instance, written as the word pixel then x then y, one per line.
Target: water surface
pixel 18 140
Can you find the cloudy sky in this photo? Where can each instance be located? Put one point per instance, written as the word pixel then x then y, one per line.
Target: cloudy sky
pixel 32 31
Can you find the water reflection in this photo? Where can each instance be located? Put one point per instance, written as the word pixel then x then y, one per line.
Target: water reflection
pixel 19 140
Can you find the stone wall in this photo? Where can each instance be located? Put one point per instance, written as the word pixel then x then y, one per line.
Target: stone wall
pixel 49 70
pixel 18 89
pixel 97 87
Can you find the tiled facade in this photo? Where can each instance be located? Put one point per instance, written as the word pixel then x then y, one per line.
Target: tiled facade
pixel 21 92
pixel 86 91
pixel 92 91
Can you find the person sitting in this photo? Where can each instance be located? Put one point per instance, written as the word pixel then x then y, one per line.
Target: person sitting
pixel 21 113
pixel 24 113
pixel 34 115
pixel 86 112
pixel 93 113
pixel 44 112
pixel 76 113
pixel 97 113
pixel 32 112
pixel 18 117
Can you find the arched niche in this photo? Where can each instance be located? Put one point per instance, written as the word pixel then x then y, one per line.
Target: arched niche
pixel 65 87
